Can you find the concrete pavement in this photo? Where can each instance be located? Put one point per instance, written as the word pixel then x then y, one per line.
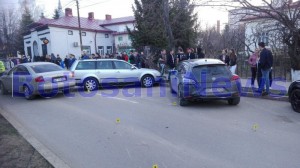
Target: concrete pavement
pixel 149 129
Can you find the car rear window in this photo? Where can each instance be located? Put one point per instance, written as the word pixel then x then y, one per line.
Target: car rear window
pixel 45 68
pixel 210 71
pixel 86 65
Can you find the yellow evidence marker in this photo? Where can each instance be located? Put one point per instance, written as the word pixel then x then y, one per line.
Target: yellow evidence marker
pixel 155 166
pixel 174 104
pixel 118 120
pixel 255 127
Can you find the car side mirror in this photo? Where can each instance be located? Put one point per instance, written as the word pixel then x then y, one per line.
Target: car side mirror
pixel 133 67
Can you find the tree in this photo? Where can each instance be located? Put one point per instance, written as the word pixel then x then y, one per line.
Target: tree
pixel 164 24
pixel 56 14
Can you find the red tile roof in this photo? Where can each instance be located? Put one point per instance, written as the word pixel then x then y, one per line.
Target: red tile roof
pixel 71 22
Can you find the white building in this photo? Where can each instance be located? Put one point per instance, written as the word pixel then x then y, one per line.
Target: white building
pixel 61 36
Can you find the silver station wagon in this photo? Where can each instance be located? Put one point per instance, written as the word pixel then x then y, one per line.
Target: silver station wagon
pixel 93 73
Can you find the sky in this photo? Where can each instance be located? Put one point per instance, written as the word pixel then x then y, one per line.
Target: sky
pixel 118 8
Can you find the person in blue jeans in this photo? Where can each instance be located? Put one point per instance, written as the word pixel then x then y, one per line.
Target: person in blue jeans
pixel 266 63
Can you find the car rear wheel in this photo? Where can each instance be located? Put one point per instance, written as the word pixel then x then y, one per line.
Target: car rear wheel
pixel 295 100
pixel 28 93
pixel 90 84
pixel 182 100
pixel 147 81
pixel 234 101
pixel 3 91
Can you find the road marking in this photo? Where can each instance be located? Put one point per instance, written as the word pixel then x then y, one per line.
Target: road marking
pixel 123 99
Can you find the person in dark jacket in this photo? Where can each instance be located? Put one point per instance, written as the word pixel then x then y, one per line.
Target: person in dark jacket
pixel 190 55
pixel 200 53
pixel 232 60
pixel 180 55
pixel 171 59
pixel 224 57
pixel 266 63
pixel 66 61
pixel 132 59
pixel 58 60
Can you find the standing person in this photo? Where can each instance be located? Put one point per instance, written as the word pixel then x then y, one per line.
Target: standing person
pixel 180 55
pixel 138 60
pixel 125 57
pixel 143 60
pixel 224 57
pixel 232 60
pixel 53 58
pixel 266 62
pixel 253 63
pixel 132 58
pixel 9 64
pixel 258 73
pixel 171 59
pixel 71 60
pixel 58 60
pixel 162 61
pixel 24 59
pixel 66 61
pixel 189 54
pixel 200 53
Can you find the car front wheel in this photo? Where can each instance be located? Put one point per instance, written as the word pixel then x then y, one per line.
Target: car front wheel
pixel 28 93
pixel 90 84
pixel 182 100
pixel 295 100
pixel 147 81
pixel 234 101
pixel 3 91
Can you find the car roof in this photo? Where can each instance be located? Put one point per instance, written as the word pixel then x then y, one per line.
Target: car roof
pixel 100 60
pixel 204 61
pixel 35 63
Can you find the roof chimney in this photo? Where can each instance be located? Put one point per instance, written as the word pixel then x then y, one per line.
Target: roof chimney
pixel 91 16
pixel 218 26
pixel 68 12
pixel 107 17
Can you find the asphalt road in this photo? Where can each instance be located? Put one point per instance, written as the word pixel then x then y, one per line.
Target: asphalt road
pixel 146 130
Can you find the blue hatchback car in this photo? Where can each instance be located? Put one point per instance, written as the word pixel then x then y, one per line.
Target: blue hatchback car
pixel 204 79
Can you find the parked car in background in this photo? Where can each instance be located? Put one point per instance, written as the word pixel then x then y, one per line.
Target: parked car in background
pixel 39 78
pixel 204 79
pixel 92 73
pixel 294 95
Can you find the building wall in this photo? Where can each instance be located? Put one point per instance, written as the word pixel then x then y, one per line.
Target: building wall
pixel 120 27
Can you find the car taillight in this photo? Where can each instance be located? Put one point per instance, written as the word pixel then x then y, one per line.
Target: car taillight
pixel 39 79
pixel 234 77
pixel 72 75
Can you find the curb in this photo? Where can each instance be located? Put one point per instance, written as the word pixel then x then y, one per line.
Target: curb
pixel 52 158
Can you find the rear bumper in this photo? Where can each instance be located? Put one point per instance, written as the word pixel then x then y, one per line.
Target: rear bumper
pixel 54 87
pixel 213 97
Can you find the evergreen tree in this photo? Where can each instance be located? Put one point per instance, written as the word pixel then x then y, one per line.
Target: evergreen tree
pixel 56 14
pixel 23 29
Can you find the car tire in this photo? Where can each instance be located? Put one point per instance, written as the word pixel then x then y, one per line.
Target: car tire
pixel 90 84
pixel 147 81
pixel 295 100
pixel 3 91
pixel 28 93
pixel 234 101
pixel 182 100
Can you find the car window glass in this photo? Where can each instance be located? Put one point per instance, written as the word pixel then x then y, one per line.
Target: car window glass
pixel 41 68
pixel 122 65
pixel 21 70
pixel 12 70
pixel 104 65
pixel 85 65
pixel 211 71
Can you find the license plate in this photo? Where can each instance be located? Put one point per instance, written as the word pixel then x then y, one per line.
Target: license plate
pixel 211 90
pixel 59 79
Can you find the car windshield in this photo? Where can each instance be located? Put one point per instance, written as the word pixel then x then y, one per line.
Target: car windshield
pixel 45 68
pixel 209 72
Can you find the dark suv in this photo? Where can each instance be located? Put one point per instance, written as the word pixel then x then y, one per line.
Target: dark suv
pixel 294 95
pixel 204 79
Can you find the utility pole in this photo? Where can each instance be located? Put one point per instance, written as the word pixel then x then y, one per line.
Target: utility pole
pixel 79 26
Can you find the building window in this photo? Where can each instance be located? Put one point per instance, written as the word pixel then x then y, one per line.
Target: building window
pixel 106 36
pixel 263 37
pixel 70 32
pixel 83 33
pixel 101 50
pixel 120 38
pixel 109 49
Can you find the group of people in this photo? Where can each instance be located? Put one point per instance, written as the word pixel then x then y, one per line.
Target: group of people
pixel 229 57
pixel 261 62
pixel 170 60
pixel 135 58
